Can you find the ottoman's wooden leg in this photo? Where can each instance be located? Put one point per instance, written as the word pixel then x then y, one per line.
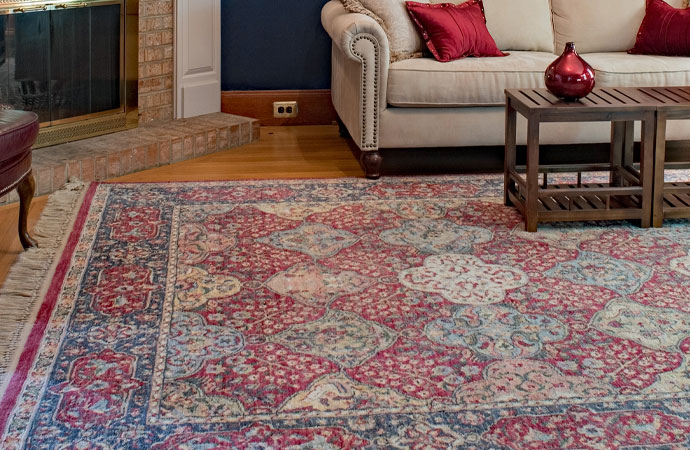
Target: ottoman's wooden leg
pixel 371 160
pixel 25 189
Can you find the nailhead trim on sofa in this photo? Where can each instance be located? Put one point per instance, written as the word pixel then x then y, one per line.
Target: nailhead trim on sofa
pixel 373 144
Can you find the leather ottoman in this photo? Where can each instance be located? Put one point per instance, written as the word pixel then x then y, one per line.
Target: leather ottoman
pixel 18 131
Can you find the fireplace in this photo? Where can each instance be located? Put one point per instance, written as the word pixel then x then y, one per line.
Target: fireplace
pixel 74 63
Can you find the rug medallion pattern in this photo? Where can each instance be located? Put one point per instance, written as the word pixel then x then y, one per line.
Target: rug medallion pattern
pixel 334 314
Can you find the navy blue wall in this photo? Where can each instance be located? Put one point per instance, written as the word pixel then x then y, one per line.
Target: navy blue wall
pixel 274 44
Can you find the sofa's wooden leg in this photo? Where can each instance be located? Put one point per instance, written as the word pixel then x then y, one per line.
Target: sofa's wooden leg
pixel 25 189
pixel 344 132
pixel 371 161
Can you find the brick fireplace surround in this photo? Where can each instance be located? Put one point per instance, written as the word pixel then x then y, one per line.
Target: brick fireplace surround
pixel 156 65
pixel 159 140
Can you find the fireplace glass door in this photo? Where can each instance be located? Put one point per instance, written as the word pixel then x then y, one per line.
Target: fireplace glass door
pixel 62 63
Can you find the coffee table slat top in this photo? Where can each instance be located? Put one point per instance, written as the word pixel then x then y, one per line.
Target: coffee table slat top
pixel 672 101
pixel 602 100
pixel 668 97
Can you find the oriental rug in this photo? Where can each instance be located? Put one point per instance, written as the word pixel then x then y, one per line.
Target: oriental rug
pixel 407 313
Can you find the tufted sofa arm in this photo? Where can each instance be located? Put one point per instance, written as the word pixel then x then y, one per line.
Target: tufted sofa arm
pixel 360 60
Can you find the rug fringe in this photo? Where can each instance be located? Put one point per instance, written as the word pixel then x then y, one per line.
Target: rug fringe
pixel 21 292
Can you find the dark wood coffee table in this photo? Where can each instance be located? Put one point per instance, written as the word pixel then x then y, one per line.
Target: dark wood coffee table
pixel 627 195
pixel 671 200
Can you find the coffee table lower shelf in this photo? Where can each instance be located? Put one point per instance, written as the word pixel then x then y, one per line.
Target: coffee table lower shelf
pixel 572 202
pixel 676 201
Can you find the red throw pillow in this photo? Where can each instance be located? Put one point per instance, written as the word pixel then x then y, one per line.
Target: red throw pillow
pixel 665 30
pixel 454 31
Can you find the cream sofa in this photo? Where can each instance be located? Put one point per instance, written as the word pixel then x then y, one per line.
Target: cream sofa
pixel 419 102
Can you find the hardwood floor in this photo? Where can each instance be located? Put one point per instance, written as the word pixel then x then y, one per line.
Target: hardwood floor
pixel 10 247
pixel 282 152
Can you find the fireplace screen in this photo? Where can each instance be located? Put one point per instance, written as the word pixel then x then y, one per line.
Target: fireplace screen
pixel 65 62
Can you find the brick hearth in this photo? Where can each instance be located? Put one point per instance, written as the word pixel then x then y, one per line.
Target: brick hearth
pixel 151 145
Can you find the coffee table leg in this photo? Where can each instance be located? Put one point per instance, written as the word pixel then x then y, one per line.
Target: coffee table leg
pixel 25 189
pixel 617 138
pixel 647 168
pixel 628 142
pixel 532 174
pixel 659 161
pixel 509 160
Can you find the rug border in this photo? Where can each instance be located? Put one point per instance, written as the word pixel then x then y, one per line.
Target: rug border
pixel 19 366
pixel 402 177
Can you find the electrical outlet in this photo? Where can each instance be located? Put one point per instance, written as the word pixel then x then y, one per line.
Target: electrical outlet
pixel 284 110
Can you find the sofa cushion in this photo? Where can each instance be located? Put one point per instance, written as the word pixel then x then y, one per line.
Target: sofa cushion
pixel 665 30
pixel 454 31
pixel 599 25
pixel 517 24
pixel 621 69
pixel 514 24
pixel 403 38
pixel 465 82
pixel 520 24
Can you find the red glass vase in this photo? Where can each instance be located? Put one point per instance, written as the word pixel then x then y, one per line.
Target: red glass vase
pixel 569 77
